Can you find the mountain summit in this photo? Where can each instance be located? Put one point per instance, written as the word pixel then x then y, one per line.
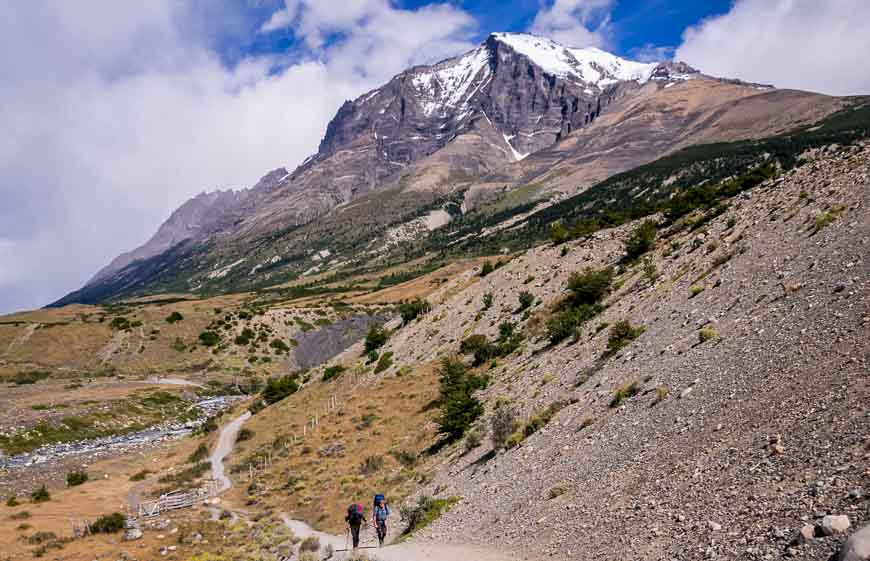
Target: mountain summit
pixel 437 141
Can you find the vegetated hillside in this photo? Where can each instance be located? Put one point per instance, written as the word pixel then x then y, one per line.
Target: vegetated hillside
pixel 519 115
pixel 690 387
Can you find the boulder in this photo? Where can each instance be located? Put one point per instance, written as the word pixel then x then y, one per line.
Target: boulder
pixel 804 535
pixel 132 534
pixel 857 547
pixel 834 524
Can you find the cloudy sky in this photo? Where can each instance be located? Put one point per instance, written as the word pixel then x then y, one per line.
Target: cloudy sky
pixel 114 113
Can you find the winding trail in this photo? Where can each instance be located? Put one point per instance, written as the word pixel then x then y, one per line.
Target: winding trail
pixel 224 446
pixel 399 552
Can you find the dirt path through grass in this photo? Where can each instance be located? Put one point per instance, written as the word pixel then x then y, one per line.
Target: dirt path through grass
pixel 399 552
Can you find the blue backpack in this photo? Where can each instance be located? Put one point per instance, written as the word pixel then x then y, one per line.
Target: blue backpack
pixel 378 498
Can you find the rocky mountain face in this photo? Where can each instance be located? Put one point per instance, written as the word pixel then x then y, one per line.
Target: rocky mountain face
pixel 500 116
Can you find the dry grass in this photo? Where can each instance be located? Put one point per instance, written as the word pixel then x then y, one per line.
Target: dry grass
pixel 381 416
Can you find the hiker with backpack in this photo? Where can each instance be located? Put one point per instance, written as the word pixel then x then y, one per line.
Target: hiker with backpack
pixel 355 519
pixel 381 513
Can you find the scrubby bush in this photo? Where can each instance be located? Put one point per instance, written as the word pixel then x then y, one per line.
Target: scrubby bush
pixel 558 233
pixel 280 346
pixel 503 424
pixel 199 454
pixel 40 495
pixel 12 501
pixel 473 439
pixel 209 338
pixel 483 350
pixel 706 333
pixel 174 317
pixel 641 240
pixel 244 434
pixel 414 308
pixel 278 388
pixel 375 338
pixel 384 362
pixel 245 337
pixel 621 334
pixel 590 286
pixel 311 543
pixel 256 407
pixel 487 268
pixel 77 477
pixel 459 408
pixel 29 377
pixel 534 424
pixel 623 393
pixel 426 511
pixel 526 300
pixel 108 524
pixel 332 372
pixel 487 300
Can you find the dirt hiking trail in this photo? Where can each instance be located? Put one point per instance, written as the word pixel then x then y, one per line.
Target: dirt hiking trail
pixel 398 552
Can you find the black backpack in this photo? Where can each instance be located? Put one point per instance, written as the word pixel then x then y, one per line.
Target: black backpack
pixel 354 514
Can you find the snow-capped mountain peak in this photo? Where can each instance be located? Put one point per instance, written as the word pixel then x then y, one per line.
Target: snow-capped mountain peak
pixel 590 65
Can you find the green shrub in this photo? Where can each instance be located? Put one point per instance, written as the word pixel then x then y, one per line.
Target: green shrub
pixel 279 346
pixel 199 454
pixel 40 495
pixel 526 299
pixel 696 290
pixel 245 337
pixel 426 511
pixel 661 394
pixel 487 300
pixel 332 372
pixel 209 338
pixel 558 233
pixel 256 407
pixel 12 501
pixel 590 286
pixel 174 317
pixel 565 323
pixel 623 393
pixel 459 408
pixel 244 434
pixel 23 515
pixel 29 377
pixel 473 439
pixel 375 338
pixel 75 478
pixel 384 362
pixel 120 323
pixel 178 345
pixel 414 308
pixel 278 388
pixel 641 240
pixel 486 269
pixel 621 334
pixel 706 333
pixel 534 424
pixel 108 524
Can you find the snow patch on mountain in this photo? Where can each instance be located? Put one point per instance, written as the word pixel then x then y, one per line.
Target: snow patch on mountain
pixel 446 84
pixel 589 65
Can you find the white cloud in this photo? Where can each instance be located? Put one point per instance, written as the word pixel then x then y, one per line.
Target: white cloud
pixel 804 44
pixel 575 23
pixel 651 53
pixel 115 113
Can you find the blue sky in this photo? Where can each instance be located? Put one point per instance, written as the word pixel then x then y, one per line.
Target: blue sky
pixel 634 24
